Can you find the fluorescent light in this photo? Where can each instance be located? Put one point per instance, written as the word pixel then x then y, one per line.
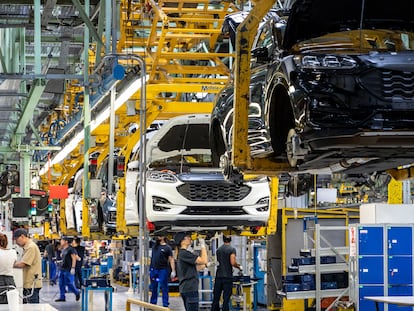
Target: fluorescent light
pixel 124 95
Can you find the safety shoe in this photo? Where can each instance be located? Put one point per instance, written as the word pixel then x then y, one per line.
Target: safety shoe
pixel 60 300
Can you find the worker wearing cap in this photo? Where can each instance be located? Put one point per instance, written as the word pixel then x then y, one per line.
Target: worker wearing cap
pixel 223 283
pixel 31 263
pixel 161 261
pixel 68 269
pixel 187 272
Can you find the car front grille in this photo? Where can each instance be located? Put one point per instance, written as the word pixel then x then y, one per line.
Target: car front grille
pixel 213 210
pixel 213 192
pixel 390 85
pixel 397 84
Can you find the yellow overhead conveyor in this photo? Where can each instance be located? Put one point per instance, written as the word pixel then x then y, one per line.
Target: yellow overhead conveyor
pixel 174 38
pixel 185 66
pixel 178 40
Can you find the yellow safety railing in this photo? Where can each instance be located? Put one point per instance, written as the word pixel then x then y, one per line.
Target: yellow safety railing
pixel 131 301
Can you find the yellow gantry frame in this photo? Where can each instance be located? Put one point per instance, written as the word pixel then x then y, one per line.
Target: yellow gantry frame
pixel 169 35
pixel 241 152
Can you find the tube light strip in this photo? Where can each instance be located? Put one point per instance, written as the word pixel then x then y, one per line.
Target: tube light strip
pixel 125 94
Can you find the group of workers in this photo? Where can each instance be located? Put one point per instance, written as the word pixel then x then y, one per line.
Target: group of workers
pixel 70 263
pixel 30 262
pixel 163 267
pixel 187 270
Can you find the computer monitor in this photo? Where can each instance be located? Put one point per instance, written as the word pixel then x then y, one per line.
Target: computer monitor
pixel 21 207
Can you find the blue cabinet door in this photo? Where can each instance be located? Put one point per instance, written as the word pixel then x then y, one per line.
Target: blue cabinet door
pixel 371 240
pixel 400 270
pixel 368 305
pixel 399 240
pixel 371 269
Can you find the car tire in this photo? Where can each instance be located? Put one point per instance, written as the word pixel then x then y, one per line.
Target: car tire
pixel 281 118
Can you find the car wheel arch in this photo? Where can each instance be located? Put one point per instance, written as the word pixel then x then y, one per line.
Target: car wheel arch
pixel 280 116
pixel 217 143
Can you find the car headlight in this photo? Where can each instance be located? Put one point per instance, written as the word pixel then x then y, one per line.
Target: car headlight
pixel 325 62
pixel 158 176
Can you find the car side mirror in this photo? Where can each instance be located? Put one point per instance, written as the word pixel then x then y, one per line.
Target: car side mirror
pixel 261 54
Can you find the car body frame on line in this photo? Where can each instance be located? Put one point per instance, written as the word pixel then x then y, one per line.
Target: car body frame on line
pixel 337 94
pixel 184 189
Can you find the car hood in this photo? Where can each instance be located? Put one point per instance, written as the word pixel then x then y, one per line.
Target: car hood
pixel 184 135
pixel 314 18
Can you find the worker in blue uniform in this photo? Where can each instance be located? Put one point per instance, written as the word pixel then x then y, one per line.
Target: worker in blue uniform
pixel 162 262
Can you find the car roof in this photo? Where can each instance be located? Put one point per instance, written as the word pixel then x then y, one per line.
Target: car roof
pixel 233 20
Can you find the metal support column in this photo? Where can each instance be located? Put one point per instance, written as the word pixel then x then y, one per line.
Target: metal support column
pixel 87 131
pixel 25 174
pixel 111 141
pixel 143 233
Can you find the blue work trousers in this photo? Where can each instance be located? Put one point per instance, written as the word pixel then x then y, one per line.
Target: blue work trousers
pixel 67 280
pixel 52 271
pixel 159 277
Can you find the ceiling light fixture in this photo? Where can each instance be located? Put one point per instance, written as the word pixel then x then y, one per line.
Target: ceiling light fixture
pixel 124 95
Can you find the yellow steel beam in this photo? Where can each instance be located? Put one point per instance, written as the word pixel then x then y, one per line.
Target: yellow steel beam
pixel 126 152
pixel 402 173
pixel 173 109
pixel 274 206
pixel 120 207
pixel 245 34
pixel 266 167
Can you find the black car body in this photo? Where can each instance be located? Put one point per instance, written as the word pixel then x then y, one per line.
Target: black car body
pixel 338 93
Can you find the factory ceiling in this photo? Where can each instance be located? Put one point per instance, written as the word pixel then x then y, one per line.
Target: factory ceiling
pixel 41 43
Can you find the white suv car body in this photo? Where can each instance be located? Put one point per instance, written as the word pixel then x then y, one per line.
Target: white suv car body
pixel 184 189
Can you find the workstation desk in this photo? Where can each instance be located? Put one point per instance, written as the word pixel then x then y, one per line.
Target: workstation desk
pixel 395 300
pixel 31 307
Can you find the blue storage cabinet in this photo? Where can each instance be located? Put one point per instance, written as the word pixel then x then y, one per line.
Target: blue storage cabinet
pixel 259 272
pixel 369 290
pixel 385 264
pixel 370 271
pixel 400 240
pixel 371 240
pixel 400 270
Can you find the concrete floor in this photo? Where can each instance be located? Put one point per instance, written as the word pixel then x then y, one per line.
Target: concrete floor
pixel 49 294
